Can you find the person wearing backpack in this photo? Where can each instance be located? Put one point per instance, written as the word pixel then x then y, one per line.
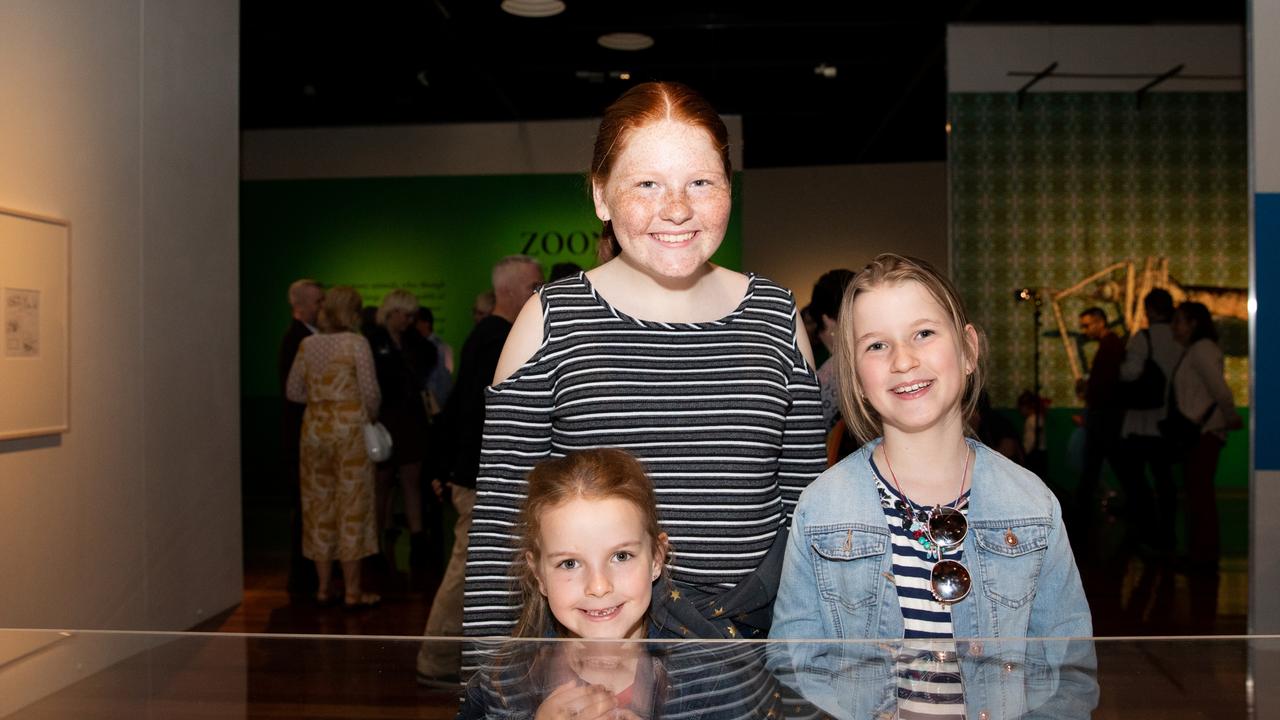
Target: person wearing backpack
pixel 1149 360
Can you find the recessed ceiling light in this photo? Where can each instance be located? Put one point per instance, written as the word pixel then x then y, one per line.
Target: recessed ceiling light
pixel 827 71
pixel 625 41
pixel 533 8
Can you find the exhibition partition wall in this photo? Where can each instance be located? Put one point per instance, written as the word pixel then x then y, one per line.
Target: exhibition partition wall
pixel 1052 186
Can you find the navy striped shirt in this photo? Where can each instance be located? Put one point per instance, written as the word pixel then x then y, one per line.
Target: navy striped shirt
pixel 725 415
pixel 928 672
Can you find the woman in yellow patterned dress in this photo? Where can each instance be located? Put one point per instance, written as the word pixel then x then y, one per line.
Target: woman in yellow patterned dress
pixel 333 374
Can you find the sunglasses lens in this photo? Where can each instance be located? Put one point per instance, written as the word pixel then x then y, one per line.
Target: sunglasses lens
pixel 950 581
pixel 947 526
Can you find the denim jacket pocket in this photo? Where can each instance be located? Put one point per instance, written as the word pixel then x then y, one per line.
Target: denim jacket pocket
pixel 1011 556
pixel 847 559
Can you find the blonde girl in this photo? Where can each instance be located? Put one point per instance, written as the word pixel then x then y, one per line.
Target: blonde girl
pixel 924 532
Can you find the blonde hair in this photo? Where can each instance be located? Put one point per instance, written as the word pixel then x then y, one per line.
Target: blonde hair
pixel 341 310
pixel 397 299
pixel 597 474
pixel 860 416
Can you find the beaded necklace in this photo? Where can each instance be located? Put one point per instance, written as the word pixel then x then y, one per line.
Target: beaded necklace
pixel 916 519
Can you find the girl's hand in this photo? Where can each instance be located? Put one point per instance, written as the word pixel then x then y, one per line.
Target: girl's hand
pixel 572 701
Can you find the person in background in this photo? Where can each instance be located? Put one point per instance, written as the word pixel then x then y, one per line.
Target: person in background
pixel 820 352
pixel 436 395
pixel 995 431
pixel 1201 394
pixel 404 361
pixel 703 373
pixel 1035 433
pixel 440 381
pixel 1103 411
pixel 1140 443
pixel 306 297
pixel 483 306
pixel 563 270
pixel 333 374
pixel 368 318
pixel 825 308
pixel 515 278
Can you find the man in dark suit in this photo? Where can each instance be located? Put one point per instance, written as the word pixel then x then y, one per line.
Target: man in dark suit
pixel 515 279
pixel 305 298
pixel 1103 412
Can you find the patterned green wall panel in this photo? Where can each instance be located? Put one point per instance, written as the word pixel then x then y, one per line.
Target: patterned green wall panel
pixel 1045 195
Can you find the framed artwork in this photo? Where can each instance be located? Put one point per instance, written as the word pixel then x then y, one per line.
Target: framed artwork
pixel 35 300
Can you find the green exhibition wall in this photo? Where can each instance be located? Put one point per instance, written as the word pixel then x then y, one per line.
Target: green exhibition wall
pixel 437 237
pixel 1045 194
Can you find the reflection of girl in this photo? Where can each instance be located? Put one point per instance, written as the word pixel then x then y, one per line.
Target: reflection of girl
pixel 693 368
pixel 922 534
pixel 1201 393
pixel 333 374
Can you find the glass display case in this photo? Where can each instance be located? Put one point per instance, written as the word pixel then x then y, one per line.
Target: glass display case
pixel 102 674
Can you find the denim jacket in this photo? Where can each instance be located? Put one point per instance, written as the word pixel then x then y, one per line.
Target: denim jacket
pixel 837 576
pixel 837 584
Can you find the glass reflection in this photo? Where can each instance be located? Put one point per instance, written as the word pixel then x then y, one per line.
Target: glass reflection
pixel 905 679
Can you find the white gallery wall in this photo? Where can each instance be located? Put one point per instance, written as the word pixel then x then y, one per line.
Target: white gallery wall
pixel 798 223
pixel 121 116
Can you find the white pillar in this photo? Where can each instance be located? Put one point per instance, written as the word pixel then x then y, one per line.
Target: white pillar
pixel 1264 351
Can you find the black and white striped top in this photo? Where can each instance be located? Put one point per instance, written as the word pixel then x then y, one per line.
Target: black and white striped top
pixel 928 672
pixel 725 415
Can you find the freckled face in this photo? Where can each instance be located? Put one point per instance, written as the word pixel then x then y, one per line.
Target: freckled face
pixel 668 199
pixel 908 356
pixel 597 567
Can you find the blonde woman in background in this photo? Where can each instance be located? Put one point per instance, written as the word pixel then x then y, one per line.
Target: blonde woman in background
pixel 403 360
pixel 333 374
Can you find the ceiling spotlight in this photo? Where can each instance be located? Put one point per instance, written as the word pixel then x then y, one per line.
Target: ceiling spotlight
pixel 948 127
pixel 1027 294
pixel 625 41
pixel 825 70
pixel 533 8
pixel 624 76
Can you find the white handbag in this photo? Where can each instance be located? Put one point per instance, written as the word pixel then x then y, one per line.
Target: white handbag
pixel 377 441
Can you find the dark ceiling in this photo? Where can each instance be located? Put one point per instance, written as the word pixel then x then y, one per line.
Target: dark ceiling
pixel 439 61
